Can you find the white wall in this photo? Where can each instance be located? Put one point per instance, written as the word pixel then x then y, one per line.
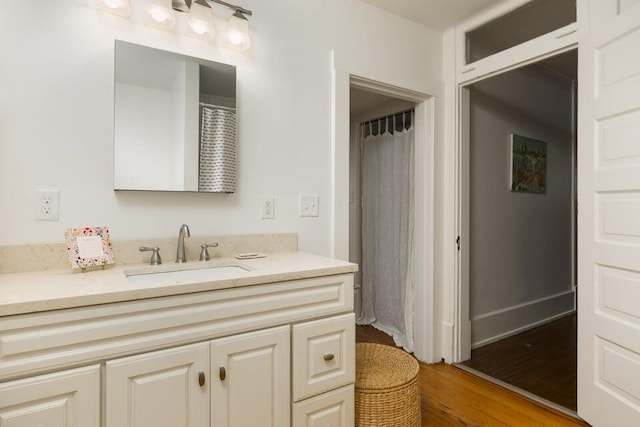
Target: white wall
pixel 521 243
pixel 56 113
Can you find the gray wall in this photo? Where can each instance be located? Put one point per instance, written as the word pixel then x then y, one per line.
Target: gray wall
pixel 520 243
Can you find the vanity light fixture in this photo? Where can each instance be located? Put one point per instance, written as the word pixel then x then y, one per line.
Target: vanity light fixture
pixel 117 7
pixel 160 14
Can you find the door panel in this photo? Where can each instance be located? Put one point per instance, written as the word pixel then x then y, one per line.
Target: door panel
pixel 160 388
pixel 251 385
pixel 62 399
pixel 609 223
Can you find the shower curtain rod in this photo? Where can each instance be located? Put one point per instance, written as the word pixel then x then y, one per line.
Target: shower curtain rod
pixel 220 107
pixel 410 110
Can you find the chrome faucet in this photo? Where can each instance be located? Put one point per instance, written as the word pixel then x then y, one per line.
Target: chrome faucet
pixel 184 232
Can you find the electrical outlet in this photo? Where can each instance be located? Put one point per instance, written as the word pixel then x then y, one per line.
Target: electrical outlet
pixel 268 207
pixel 46 204
pixel 308 205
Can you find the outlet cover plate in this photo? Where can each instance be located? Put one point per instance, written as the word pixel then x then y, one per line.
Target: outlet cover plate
pixel 309 205
pixel 46 204
pixel 268 207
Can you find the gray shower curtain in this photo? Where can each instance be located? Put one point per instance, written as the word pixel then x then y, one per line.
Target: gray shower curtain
pixel 217 150
pixel 387 234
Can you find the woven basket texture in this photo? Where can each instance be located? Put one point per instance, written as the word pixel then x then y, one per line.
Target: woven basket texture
pixel 387 390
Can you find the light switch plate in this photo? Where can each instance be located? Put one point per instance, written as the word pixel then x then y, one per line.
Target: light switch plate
pixel 308 205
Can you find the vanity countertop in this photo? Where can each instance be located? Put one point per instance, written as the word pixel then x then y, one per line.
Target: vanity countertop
pixel 22 293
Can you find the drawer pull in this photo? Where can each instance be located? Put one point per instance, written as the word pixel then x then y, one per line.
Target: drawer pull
pixel 223 373
pixel 201 379
pixel 328 357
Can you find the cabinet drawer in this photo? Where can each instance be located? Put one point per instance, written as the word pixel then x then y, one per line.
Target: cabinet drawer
pixel 324 355
pixel 331 409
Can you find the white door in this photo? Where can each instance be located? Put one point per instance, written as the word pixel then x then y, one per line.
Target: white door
pixel 62 399
pixel 167 388
pixel 609 223
pixel 251 384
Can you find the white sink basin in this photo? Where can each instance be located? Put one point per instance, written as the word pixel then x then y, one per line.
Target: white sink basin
pixel 194 275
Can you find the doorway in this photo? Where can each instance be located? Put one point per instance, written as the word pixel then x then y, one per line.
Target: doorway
pixel 521 186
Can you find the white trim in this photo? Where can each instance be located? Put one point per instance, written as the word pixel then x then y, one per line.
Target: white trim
pixel 424 299
pixel 424 324
pixel 508 321
pixel 339 210
pixel 453 290
pixel 518 55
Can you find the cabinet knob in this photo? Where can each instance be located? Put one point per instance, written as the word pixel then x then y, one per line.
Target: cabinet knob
pixel 328 357
pixel 223 373
pixel 201 379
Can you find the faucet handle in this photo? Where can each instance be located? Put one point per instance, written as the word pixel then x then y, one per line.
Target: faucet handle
pixel 155 257
pixel 204 253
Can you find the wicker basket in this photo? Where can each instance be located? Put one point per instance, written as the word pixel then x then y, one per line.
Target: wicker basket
pixel 387 389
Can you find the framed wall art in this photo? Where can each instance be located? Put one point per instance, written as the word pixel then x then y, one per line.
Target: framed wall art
pixel 528 164
pixel 89 247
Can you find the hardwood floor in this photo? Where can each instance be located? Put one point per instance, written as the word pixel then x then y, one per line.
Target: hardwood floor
pixel 542 361
pixel 452 397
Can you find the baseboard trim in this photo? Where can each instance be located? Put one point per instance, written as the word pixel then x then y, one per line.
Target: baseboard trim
pixel 447 341
pixel 499 324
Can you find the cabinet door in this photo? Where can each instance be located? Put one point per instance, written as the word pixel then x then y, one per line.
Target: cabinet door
pixel 331 409
pixel 62 399
pixel 251 384
pixel 167 388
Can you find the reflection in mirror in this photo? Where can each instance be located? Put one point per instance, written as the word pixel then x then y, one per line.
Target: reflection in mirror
pixel 174 122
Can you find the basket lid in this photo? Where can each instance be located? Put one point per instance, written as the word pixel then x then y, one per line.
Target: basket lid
pixel 382 367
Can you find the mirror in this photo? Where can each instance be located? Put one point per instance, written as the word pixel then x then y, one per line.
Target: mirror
pixel 174 122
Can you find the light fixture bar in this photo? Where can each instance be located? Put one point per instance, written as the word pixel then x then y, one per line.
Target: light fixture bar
pixel 231 6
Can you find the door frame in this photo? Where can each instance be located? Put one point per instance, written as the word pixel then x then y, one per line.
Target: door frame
pixel 456 322
pixel 424 235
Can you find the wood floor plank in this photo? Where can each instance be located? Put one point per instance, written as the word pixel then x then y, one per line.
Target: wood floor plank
pixel 542 361
pixel 452 397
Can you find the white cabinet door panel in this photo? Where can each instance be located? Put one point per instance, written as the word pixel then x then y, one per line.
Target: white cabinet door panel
pixel 159 389
pixel 251 379
pixel 332 409
pixel 62 399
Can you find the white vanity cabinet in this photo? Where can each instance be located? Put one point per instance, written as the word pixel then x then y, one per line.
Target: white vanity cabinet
pixel 275 354
pixel 68 398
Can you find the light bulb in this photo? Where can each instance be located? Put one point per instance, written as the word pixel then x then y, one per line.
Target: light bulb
pixel 158 15
pixel 113 4
pixel 200 22
pixel 238 32
pixel 235 37
pixel 116 7
pixel 199 27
